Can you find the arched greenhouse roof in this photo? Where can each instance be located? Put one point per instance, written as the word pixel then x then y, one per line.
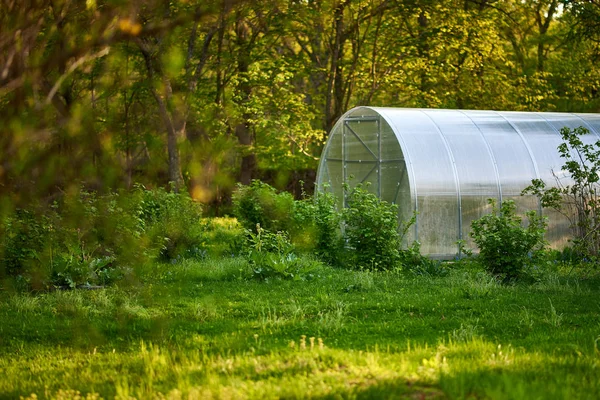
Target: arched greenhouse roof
pixel 445 164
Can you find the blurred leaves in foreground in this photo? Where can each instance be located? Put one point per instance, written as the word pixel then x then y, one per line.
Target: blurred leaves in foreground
pixel 89 239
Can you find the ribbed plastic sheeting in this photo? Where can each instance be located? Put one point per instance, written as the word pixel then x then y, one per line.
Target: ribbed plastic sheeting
pixel 445 164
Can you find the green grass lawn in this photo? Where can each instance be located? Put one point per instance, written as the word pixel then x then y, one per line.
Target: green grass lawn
pixel 198 330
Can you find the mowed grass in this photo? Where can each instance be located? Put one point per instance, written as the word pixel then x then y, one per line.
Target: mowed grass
pixel 203 330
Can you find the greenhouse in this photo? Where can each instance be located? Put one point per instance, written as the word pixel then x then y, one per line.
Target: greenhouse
pixel 443 165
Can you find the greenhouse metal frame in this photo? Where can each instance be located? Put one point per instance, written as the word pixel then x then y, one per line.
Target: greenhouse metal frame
pixel 443 165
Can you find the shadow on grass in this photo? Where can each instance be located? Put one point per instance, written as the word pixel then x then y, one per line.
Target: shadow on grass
pixel 389 390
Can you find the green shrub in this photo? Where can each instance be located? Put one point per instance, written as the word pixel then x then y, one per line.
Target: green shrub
pixel 173 223
pixel 260 204
pixel 506 248
pixel 579 201
pixel 371 231
pixel 317 227
pixel 312 223
pixel 271 255
pixel 79 239
pixel 370 239
pixel 23 240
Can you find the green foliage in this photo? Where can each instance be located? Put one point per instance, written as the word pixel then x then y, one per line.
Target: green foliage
pixel 506 248
pixel 371 231
pixel 312 223
pixel 88 239
pixel 580 200
pixel 260 204
pixel 317 227
pixel 370 238
pixel 78 240
pixel 206 94
pixel 271 256
pixel 23 237
pixel 172 222
pixel 280 115
pixel 224 237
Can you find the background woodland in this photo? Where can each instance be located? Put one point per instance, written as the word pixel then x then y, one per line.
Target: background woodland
pixel 108 93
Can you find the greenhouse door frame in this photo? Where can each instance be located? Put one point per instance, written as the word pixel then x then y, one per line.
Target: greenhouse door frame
pixel 376 161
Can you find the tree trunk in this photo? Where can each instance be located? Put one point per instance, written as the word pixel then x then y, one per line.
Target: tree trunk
pixel 174 124
pixel 243 129
pixel 543 26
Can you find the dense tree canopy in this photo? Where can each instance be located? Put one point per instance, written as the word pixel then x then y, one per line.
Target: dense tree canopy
pixel 106 93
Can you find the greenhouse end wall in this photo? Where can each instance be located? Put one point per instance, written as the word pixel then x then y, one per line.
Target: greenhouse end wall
pixel 443 165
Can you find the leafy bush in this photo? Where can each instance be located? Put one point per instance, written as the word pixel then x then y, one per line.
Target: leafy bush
pixel 371 231
pixel 370 238
pixel 172 222
pixel 260 204
pixel 271 255
pixel 506 248
pixel 312 223
pixel 317 227
pixel 88 239
pixel 23 240
pixel 579 202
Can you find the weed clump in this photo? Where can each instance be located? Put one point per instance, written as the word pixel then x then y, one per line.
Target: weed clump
pixel 271 256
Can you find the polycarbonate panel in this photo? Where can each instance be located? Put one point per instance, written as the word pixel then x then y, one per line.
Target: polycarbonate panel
pixel 559 226
pixel 334 145
pixel 361 141
pixel 592 121
pixel 393 176
pixel 364 132
pixel 437 225
pixel 354 153
pixel 473 207
pixel 474 164
pixel 542 139
pixel 558 232
pixel 476 173
pixel 334 180
pixel 431 163
pixel 513 159
pixel 561 120
pixel 524 204
pixel 328 174
pixel 434 177
pixel 395 189
pixel 363 173
pixel 390 147
pixel 558 121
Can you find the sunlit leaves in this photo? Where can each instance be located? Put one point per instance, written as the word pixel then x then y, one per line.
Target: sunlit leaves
pixel 76 86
